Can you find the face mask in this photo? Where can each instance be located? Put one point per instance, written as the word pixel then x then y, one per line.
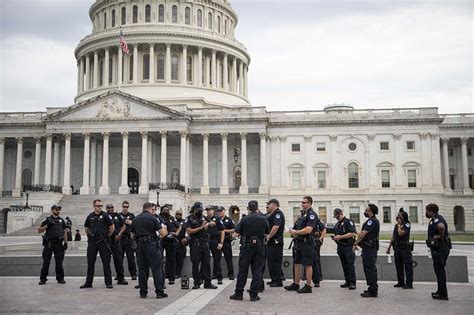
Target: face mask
pixel 166 214
pixel 198 214
pixel 366 214
pixel 426 215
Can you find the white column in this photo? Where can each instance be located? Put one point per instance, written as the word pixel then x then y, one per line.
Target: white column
pixel 184 67
pixel 371 165
pixel 67 165
pixel 93 165
pixel 182 159
pixel 149 158
pixel 114 69
pixel 152 63
pixel 241 78
pixel 205 164
pixel 225 73
pixel 263 189
pixel 244 189
pixel 106 67
pixel 447 187
pixel 214 69
pixel 126 68
pixel 78 77
pixel 124 189
pixel 224 190
pixel 135 63
pixel 143 189
pixel 199 67
pixel 163 161
pixel 47 163
pixel 436 161
pixel 246 81
pixel 2 158
pixel 85 189
pixel 465 168
pixel 81 75
pixel 425 161
pixel 284 166
pixel 207 73
pixel 19 167
pixel 234 75
pixel 56 162
pixel 88 73
pixel 308 173
pixel 120 66
pixel 105 189
pixel 168 64
pixel 188 161
pixel 36 179
pixel 96 69
pixel 275 161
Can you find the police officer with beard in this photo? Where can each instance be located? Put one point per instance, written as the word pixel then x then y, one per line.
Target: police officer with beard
pixel 216 241
pixel 369 241
pixel 182 243
pixel 126 241
pixel 229 228
pixel 344 234
pixel 276 222
pixel 196 226
pixel 170 243
pixel 115 243
pixel 319 233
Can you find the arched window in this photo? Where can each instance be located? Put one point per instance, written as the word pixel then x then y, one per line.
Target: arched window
pixel 189 74
pixel 105 20
pixel 353 171
pixel 199 18
pixel 174 14
pixel 218 24
pixel 26 177
pixel 161 67
pixel 147 13
pixel 146 67
pixel 161 13
pixel 135 14
pixel 124 16
pixel 209 20
pixel 174 67
pixel 221 74
pixel 113 18
pixel 187 16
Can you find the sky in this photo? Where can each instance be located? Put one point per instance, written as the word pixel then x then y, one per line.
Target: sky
pixel 306 54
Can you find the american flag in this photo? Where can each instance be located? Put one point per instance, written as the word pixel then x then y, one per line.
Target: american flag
pixel 123 44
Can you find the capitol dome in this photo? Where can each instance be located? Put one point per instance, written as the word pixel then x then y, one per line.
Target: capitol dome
pixel 180 52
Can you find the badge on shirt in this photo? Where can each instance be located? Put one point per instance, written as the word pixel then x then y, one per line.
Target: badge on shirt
pixel 100 217
pixel 277 216
pixel 352 223
pixel 369 223
pixel 226 220
pixel 312 217
pixel 436 220
pixel 60 221
pixel 407 225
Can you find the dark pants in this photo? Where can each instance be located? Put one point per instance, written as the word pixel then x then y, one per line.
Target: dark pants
pixel 216 259
pixel 149 256
pixel 440 256
pixel 317 275
pixel 48 251
pixel 169 246
pixel 127 249
pixel 117 256
pixel 404 265
pixel 94 247
pixel 227 251
pixel 347 257
pixel 180 256
pixel 253 257
pixel 200 258
pixel 369 258
pixel 274 260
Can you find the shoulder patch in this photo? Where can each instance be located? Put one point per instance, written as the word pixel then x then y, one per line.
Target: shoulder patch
pixel 277 216
pixel 352 223
pixel 186 220
pixel 100 217
pixel 226 220
pixel 436 220
pixel 407 225
pixel 312 216
pixel 369 223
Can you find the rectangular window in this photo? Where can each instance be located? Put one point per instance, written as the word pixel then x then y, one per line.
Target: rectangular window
pixel 411 174
pixel 411 145
pixel 321 147
pixel 322 214
pixel 387 214
pixel 469 151
pixel 296 179
pixel 384 146
pixel 354 214
pixel 413 214
pixel 450 152
pixel 471 183
pixel 452 181
pixel 321 179
pixel 385 179
pixel 295 147
pixel 296 213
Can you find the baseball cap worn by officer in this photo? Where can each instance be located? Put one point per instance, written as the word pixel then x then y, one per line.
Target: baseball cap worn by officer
pixel 55 207
pixel 253 205
pixel 197 206
pixel 273 200
pixel 220 209
pixel 337 212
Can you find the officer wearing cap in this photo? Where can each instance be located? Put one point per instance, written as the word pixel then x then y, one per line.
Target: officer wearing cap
pixel 229 228
pixel 252 230
pixel 181 248
pixel 216 241
pixel 319 234
pixel 344 234
pixel 126 240
pixel 145 227
pixel 115 243
pixel 170 242
pixel 54 242
pixel 276 223
pixel 369 241
pixel 196 226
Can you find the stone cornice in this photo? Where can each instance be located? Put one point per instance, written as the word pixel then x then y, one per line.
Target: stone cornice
pixel 357 122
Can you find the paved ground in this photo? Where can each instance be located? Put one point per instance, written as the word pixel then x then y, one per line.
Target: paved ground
pixel 23 295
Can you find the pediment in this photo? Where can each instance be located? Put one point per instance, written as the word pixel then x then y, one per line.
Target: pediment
pixel 115 105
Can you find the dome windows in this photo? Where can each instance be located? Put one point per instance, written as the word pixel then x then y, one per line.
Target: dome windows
pixel 113 18
pixel 187 16
pixel 161 13
pixel 147 13
pixel 174 14
pixel 146 67
pixel 161 67
pixel 105 20
pixel 199 17
pixel 174 67
pixel 189 68
pixel 218 24
pixel 209 21
pixel 123 17
pixel 135 14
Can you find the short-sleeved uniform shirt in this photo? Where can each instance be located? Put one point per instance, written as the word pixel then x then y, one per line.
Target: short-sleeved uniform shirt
pixel 342 228
pixel 56 230
pixel 432 226
pixel 228 225
pixel 405 238
pixel 309 218
pixel 146 224
pixel 372 226
pixel 118 221
pixel 98 223
pixel 129 216
pixel 277 218
pixel 182 233
pixel 215 231
pixel 254 224
pixel 194 222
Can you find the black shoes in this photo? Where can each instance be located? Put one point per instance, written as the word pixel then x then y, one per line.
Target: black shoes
pixel 219 281
pixel 122 282
pixel 368 294
pixel 61 281
pixel 254 298
pixel 85 286
pixel 161 295
pixel 236 297
pixel 42 282
pixel 352 286
pixel 171 282
pixel 109 286
pixel 408 286
pixel 275 284
pixel 317 285
pixel 142 296
pixel 399 285
pixel 436 296
pixel 231 277
pixel 137 286
pixel 345 285
pixel 134 277
pixel 292 287
pixel 209 286
pixel 305 289
pixel 196 286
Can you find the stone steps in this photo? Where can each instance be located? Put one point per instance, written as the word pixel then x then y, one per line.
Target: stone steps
pixel 32 230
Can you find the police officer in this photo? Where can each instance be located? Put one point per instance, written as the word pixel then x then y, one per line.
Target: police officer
pixel 196 226
pixel 126 241
pixel 252 230
pixel 99 226
pixel 276 222
pixel 170 243
pixel 216 241
pixel 303 249
pixel 319 234
pixel 54 241
pixel 344 234
pixel 145 227
pixel 229 228
pixel 181 248
pixel 401 247
pixel 439 243
pixel 115 243
pixel 369 241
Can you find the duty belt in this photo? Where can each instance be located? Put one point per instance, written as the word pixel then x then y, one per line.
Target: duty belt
pixel 147 238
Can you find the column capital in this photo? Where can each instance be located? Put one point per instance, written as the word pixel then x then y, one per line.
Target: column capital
pixel 124 134
pixel 243 135
pixel 49 137
pixel 168 45
pixel 205 136
pixel 185 46
pixel 308 138
pixel 371 136
pixel 333 138
pixel 282 138
pixel 434 135
pixel 183 133
pixel 19 139
pixel 273 138
pixel 67 136
pixel 224 135
pixel 464 140
pixel 106 134
pixel 213 51
pixel 2 140
pixel 151 45
pixel 37 138
pixel 106 48
pixel 86 135
pixel 445 139
pixel 397 136
pixel 424 135
pixel 144 134
pixel 163 133
pixel 263 135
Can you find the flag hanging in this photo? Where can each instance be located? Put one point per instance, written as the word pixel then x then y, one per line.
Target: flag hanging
pixel 123 44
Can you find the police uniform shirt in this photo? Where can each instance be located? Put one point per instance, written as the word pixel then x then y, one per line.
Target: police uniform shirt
pixel 56 230
pixel 344 226
pixel 277 218
pixel 433 224
pixel 310 218
pixel 214 231
pixel 320 226
pixel 253 224
pixel 182 233
pixel 171 224
pixel 98 223
pixel 146 224
pixel 129 216
pixel 118 221
pixel 372 227
pixel 228 225
pixel 194 222
pixel 405 238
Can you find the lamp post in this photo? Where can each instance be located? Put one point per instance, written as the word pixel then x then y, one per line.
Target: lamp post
pixel 157 198
pixel 26 205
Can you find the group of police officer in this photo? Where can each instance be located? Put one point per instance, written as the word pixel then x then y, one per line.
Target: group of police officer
pixel 113 234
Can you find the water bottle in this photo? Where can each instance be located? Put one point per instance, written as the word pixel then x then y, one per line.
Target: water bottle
pixel 389 258
pixel 429 253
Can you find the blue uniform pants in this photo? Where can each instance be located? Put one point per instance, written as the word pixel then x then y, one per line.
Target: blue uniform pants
pixel 404 265
pixel 369 258
pixel 253 257
pixel 347 257
pixel 440 256
pixel 149 256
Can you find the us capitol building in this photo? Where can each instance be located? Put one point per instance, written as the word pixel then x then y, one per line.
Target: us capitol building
pixel 173 116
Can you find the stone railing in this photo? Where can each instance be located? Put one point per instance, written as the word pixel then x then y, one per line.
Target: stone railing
pixel 253 112
pixel 6 193
pixel 43 188
pixel 457 118
pixel 25 208
pixel 166 186
pixel 25 116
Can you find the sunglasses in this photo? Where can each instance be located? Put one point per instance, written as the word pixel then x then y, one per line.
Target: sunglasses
pixel 110 207
pixel 98 206
pixel 304 201
pixel 125 207
pixel 56 209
